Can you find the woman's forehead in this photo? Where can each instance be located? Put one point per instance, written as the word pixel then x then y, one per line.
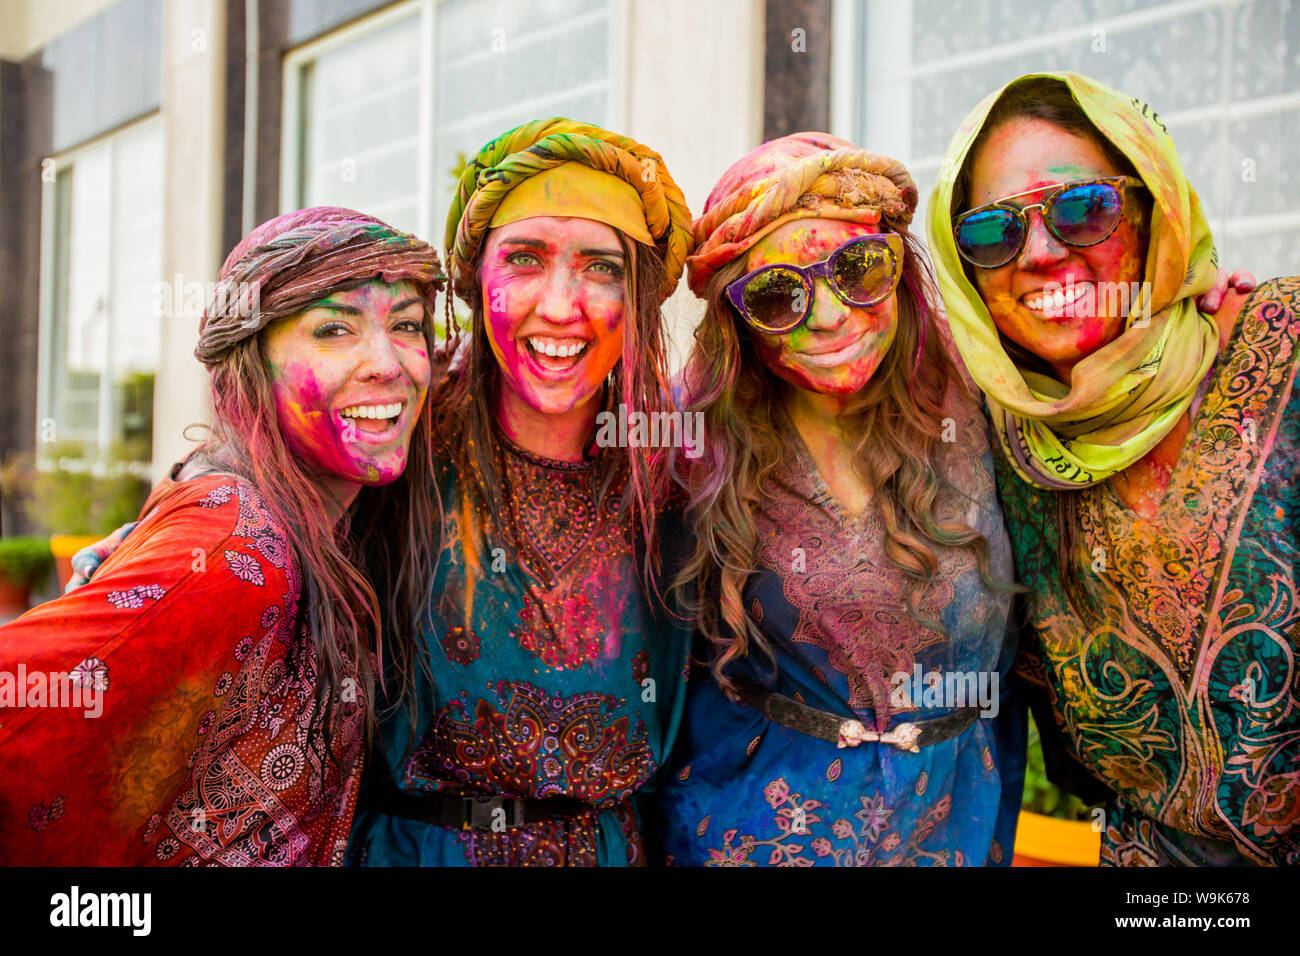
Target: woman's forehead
pixel 556 232
pixel 1026 153
pixel 803 241
pixel 374 290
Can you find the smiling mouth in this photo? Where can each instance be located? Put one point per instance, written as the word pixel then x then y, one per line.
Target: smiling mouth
pixel 837 354
pixel 556 354
pixel 1059 303
pixel 375 421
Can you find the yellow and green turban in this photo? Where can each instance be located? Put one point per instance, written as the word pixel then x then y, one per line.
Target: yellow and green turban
pixel 559 167
pixel 1126 396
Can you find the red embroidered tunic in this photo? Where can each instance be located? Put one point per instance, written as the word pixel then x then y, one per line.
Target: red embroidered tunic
pixel 187 643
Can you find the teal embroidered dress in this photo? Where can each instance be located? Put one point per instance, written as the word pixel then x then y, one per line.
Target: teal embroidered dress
pixel 551 677
pixel 1183 694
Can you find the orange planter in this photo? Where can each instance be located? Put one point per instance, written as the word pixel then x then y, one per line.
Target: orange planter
pixel 1047 841
pixel 64 547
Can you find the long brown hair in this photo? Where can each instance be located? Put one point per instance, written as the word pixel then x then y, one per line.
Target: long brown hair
pixel 385 544
pixel 897 418
pixel 465 413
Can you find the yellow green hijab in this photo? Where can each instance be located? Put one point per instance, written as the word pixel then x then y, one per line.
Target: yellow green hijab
pixel 1129 394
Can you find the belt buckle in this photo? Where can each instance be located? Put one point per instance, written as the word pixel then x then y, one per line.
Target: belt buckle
pixel 480 812
pixel 904 736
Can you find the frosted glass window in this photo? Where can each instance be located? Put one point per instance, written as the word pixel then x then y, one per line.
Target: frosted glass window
pixel 106 263
pixel 502 63
pixel 1223 74
pixel 386 109
pixel 360 113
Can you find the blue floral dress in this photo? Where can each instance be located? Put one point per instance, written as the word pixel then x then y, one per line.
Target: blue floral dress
pixel 747 791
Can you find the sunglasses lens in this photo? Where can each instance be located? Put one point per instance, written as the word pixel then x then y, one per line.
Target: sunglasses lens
pixel 1086 215
pixel 865 272
pixel 989 238
pixel 775 300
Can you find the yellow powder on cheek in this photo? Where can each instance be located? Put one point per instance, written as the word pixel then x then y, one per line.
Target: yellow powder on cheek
pixel 152 756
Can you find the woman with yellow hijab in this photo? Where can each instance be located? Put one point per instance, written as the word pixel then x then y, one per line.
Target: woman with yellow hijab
pixel 1147 467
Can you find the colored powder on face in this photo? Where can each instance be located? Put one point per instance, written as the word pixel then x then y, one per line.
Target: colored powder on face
pixel 311 374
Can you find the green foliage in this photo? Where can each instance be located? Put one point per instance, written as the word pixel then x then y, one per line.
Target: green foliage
pixel 66 501
pixel 25 560
pixel 136 393
pixel 1041 795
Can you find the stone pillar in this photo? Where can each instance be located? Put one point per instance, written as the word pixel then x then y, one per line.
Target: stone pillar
pixel 694 92
pixel 194 116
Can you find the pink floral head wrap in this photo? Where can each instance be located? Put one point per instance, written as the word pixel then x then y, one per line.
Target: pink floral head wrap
pixel 801 176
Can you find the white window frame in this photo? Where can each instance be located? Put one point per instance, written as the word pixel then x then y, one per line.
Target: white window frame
pixel 292 104
pixel 106 426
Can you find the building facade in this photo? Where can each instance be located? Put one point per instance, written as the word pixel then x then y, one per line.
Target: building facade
pixel 142 138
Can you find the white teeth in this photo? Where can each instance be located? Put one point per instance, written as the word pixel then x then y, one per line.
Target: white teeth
pixel 1057 298
pixel 548 347
pixel 391 410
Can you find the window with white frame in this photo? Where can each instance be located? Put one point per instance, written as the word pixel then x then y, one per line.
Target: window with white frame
pixel 379 114
pixel 102 261
pixel 1224 76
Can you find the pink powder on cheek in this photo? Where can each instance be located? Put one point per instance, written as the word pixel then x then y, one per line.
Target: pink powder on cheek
pixel 499 304
pixel 314 436
pixel 306 420
pixel 1092 336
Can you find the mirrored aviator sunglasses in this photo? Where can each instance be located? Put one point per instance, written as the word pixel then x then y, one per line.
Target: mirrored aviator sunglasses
pixel 778 298
pixel 1081 213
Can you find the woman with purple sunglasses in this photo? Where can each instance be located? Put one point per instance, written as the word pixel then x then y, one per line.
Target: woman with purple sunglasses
pixel 850 573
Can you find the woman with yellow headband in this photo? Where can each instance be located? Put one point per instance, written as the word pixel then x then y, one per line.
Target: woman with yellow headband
pixel 1147 465
pixel 851 707
pixel 549 687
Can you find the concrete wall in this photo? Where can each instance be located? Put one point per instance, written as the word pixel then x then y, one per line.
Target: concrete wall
pixel 694 92
pixel 27 25
pixel 193 111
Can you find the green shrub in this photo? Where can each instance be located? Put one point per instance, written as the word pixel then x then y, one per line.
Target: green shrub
pixel 25 560
pixel 1041 795
pixel 63 501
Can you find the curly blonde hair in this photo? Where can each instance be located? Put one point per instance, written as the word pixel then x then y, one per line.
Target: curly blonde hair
pixel 897 418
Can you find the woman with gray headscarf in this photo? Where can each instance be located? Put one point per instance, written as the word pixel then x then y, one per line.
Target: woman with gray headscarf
pixel 205 697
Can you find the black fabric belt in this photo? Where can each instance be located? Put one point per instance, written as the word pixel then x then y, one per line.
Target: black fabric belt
pixel 469 813
pixel 824 725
